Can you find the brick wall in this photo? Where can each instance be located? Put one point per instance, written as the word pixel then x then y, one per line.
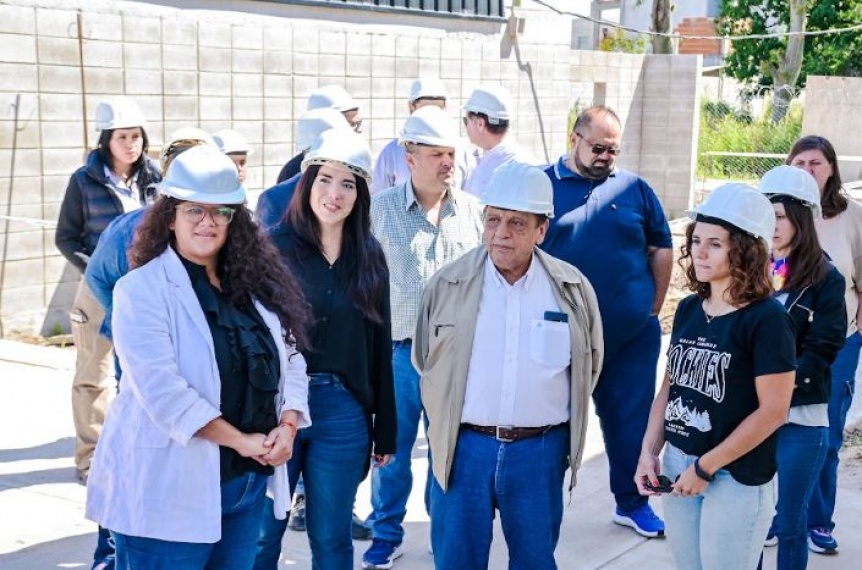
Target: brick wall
pixel 698 27
pixel 252 72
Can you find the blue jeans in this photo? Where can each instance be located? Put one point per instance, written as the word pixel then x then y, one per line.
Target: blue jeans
pixel 105 550
pixel 332 455
pixel 801 452
pixel 242 505
pixel 821 507
pixel 391 485
pixel 720 529
pixel 623 398
pixel 523 480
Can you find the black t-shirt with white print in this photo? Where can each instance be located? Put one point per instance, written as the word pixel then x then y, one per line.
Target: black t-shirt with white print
pixel 712 366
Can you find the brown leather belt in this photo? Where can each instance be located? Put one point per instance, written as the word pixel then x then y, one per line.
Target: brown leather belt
pixel 508 434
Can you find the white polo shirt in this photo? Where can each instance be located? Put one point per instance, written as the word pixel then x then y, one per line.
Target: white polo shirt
pixel 520 365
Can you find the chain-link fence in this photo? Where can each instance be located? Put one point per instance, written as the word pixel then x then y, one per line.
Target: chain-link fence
pixel 738 141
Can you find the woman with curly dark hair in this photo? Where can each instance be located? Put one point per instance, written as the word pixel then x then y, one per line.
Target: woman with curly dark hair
pixel 207 328
pixel 727 388
pixel 840 234
pixel 327 244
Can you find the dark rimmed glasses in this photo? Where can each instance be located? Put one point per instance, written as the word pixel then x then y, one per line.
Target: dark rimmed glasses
pixel 598 149
pixel 221 215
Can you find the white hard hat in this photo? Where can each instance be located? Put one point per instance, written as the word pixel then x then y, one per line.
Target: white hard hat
pixel 119 113
pixel 346 148
pixel 427 88
pixel 203 174
pixel 333 97
pixel 491 100
pixel 187 135
pixel 521 187
pixel 786 180
pixel 741 206
pixel 231 142
pixel 190 134
pixel 431 126
pixel 314 122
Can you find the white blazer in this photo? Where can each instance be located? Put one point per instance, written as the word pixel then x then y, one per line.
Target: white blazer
pixel 150 476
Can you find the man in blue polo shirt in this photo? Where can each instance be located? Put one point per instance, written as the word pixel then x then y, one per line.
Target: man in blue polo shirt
pixel 609 224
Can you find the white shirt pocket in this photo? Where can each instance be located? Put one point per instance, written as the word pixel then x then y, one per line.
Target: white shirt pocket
pixel 551 344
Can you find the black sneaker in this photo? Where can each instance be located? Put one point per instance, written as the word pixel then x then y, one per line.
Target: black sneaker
pixel 297 515
pixel 359 530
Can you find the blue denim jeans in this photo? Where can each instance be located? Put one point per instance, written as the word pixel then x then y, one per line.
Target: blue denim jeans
pixel 105 550
pixel 522 480
pixel 720 529
pixel 623 398
pixel 332 455
pixel 242 505
pixel 821 507
pixel 391 485
pixel 801 452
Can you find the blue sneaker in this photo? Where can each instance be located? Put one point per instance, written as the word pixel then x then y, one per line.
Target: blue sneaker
pixel 381 554
pixel 643 520
pixel 820 540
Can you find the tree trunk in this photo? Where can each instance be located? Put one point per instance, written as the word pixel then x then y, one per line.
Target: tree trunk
pixel 661 23
pixel 786 73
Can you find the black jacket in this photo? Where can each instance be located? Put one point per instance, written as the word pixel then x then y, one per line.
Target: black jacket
pixel 820 321
pixel 90 204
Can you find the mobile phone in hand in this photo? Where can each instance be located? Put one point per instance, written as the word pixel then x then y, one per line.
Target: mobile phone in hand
pixel 664 485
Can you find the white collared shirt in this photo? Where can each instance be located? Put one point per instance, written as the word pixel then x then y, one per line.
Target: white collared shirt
pixel 128 195
pixel 520 364
pixel 492 159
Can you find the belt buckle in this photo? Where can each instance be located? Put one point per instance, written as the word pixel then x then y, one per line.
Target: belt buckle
pixel 499 437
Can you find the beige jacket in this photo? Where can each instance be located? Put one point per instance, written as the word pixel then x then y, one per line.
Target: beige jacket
pixel 444 341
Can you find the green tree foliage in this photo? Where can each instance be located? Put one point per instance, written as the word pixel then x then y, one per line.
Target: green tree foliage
pixel 832 54
pixel 620 41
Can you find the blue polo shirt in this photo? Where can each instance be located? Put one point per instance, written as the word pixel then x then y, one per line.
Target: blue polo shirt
pixel 603 227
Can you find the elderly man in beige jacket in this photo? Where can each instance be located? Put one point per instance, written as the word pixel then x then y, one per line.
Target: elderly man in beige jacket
pixel 509 347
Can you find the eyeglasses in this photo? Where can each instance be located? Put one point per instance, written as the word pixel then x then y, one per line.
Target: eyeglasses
pixel 221 215
pixel 598 149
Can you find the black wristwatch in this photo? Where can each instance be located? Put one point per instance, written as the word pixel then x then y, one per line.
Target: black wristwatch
pixel 701 473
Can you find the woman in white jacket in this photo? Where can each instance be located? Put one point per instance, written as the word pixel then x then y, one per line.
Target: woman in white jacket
pixel 207 329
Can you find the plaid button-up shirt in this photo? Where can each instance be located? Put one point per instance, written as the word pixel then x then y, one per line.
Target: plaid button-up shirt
pixel 415 248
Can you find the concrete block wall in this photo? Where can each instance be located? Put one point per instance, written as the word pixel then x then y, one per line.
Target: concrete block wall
pixel 833 109
pixel 668 104
pixel 221 65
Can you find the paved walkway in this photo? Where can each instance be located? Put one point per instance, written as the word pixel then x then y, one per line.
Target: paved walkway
pixel 41 506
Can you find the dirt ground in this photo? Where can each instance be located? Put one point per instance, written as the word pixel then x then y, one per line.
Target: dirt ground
pixel 677 290
pixel 851 458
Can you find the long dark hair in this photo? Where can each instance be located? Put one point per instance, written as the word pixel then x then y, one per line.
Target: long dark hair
pixel 104 149
pixel 251 266
pixel 832 197
pixel 748 257
pixel 808 266
pixel 361 253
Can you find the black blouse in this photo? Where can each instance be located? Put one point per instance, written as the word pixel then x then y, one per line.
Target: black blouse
pixel 344 342
pixel 248 365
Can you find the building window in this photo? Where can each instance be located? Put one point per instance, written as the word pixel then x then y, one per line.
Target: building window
pixel 464 8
